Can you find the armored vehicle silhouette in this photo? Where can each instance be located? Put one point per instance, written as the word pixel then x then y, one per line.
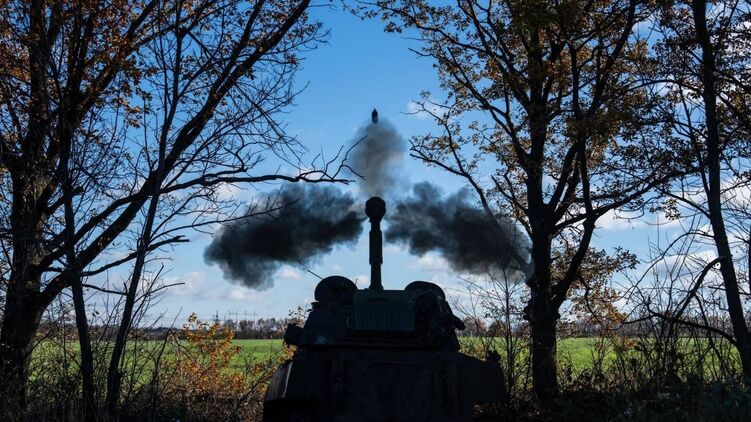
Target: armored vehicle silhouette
pixel 379 355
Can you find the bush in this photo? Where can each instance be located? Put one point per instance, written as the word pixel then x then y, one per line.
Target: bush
pixel 208 379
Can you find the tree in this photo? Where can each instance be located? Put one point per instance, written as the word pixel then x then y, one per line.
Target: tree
pixel 547 95
pixel 120 122
pixel 705 71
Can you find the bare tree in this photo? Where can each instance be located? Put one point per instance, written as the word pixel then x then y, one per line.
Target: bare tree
pixel 498 299
pixel 545 97
pixel 705 71
pixel 127 118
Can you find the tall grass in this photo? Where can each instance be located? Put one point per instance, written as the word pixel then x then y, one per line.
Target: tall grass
pixel 200 373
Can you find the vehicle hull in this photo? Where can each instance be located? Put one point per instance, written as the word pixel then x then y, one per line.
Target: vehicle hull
pixel 381 386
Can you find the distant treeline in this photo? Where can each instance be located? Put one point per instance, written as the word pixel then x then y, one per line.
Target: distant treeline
pixel 262 328
pixel 274 328
pixel 586 327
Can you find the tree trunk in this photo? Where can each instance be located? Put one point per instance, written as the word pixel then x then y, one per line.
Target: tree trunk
pixel 544 367
pixel 87 356
pixel 714 191
pixel 20 322
pixel 113 372
pixel 543 316
pixel 79 305
pixel 114 376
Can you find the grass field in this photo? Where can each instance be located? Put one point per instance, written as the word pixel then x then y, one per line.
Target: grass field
pixel 629 385
pixel 250 350
pixel 258 348
pixel 577 351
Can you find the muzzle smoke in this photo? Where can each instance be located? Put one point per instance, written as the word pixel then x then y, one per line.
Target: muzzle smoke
pixel 377 157
pixel 313 219
pixel 464 234
pixel 309 222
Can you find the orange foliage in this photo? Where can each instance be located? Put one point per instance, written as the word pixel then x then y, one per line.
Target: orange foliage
pixel 203 362
pixel 210 378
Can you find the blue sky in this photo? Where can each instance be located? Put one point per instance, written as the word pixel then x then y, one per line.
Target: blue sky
pixel 359 68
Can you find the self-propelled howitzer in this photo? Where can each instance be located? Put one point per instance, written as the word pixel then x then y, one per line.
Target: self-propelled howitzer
pixel 379 355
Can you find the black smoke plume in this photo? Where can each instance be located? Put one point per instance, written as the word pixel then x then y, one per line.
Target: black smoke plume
pixel 377 157
pixel 309 222
pixel 464 234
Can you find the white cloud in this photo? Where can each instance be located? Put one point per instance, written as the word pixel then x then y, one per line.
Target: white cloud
pixel 197 286
pixel 430 262
pixel 613 220
pixel 289 273
pixel 190 284
pixel 393 249
pixel 661 219
pixel 416 110
pixel 228 191
pixel 238 294
pixel 361 280
pixel 737 192
pixel 684 268
pixel 225 291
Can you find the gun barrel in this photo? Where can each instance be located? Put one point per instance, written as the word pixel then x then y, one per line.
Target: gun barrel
pixel 375 209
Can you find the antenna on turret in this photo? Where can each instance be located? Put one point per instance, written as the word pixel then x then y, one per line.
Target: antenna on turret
pixel 375 209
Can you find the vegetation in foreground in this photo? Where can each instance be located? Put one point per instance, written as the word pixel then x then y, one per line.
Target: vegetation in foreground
pixel 202 373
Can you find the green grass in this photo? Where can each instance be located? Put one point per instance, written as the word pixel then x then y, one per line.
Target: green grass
pixel 623 393
pixel 255 350
pixel 579 353
pixel 258 348
pixel 249 349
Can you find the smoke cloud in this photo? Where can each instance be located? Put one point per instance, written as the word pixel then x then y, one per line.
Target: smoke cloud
pixel 311 221
pixel 462 233
pixel 378 157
